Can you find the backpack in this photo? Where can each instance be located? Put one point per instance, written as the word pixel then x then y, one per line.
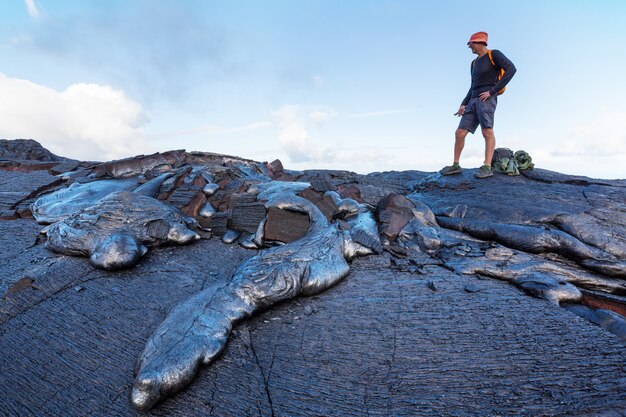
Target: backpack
pixel 500 74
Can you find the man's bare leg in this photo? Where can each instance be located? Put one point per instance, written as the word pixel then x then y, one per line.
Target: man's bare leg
pixel 459 143
pixel 490 145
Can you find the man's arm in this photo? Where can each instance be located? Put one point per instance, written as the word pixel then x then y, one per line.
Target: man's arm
pixel 503 62
pixel 467 97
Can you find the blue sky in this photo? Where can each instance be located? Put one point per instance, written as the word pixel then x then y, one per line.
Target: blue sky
pixel 357 85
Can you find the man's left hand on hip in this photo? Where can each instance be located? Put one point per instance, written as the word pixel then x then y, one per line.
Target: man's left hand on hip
pixel 484 96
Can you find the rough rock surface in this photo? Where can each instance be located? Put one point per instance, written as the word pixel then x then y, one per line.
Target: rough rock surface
pixel 25 150
pixel 460 315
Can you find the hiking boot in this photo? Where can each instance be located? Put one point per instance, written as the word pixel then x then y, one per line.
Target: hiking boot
pixel 451 170
pixel 484 172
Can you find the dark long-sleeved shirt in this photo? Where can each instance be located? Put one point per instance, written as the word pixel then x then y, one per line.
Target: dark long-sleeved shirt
pixel 485 75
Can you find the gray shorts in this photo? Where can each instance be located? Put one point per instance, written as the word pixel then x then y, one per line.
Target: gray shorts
pixel 479 113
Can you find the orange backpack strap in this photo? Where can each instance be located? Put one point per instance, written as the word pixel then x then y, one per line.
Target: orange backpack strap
pixel 500 74
pixel 494 63
pixel 491 57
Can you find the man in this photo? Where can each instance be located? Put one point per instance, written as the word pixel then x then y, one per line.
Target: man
pixel 479 106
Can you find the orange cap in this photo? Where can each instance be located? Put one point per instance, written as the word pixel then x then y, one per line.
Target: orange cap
pixel 479 37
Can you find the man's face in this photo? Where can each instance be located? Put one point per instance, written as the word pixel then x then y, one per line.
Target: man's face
pixel 473 46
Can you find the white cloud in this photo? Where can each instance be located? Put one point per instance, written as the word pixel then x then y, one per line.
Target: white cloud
pixel 212 130
pixel 308 151
pixel 33 11
pixel 594 166
pixel 294 137
pixel 85 121
pixel 377 113
pixel 321 116
pixel 604 136
pixel 364 159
